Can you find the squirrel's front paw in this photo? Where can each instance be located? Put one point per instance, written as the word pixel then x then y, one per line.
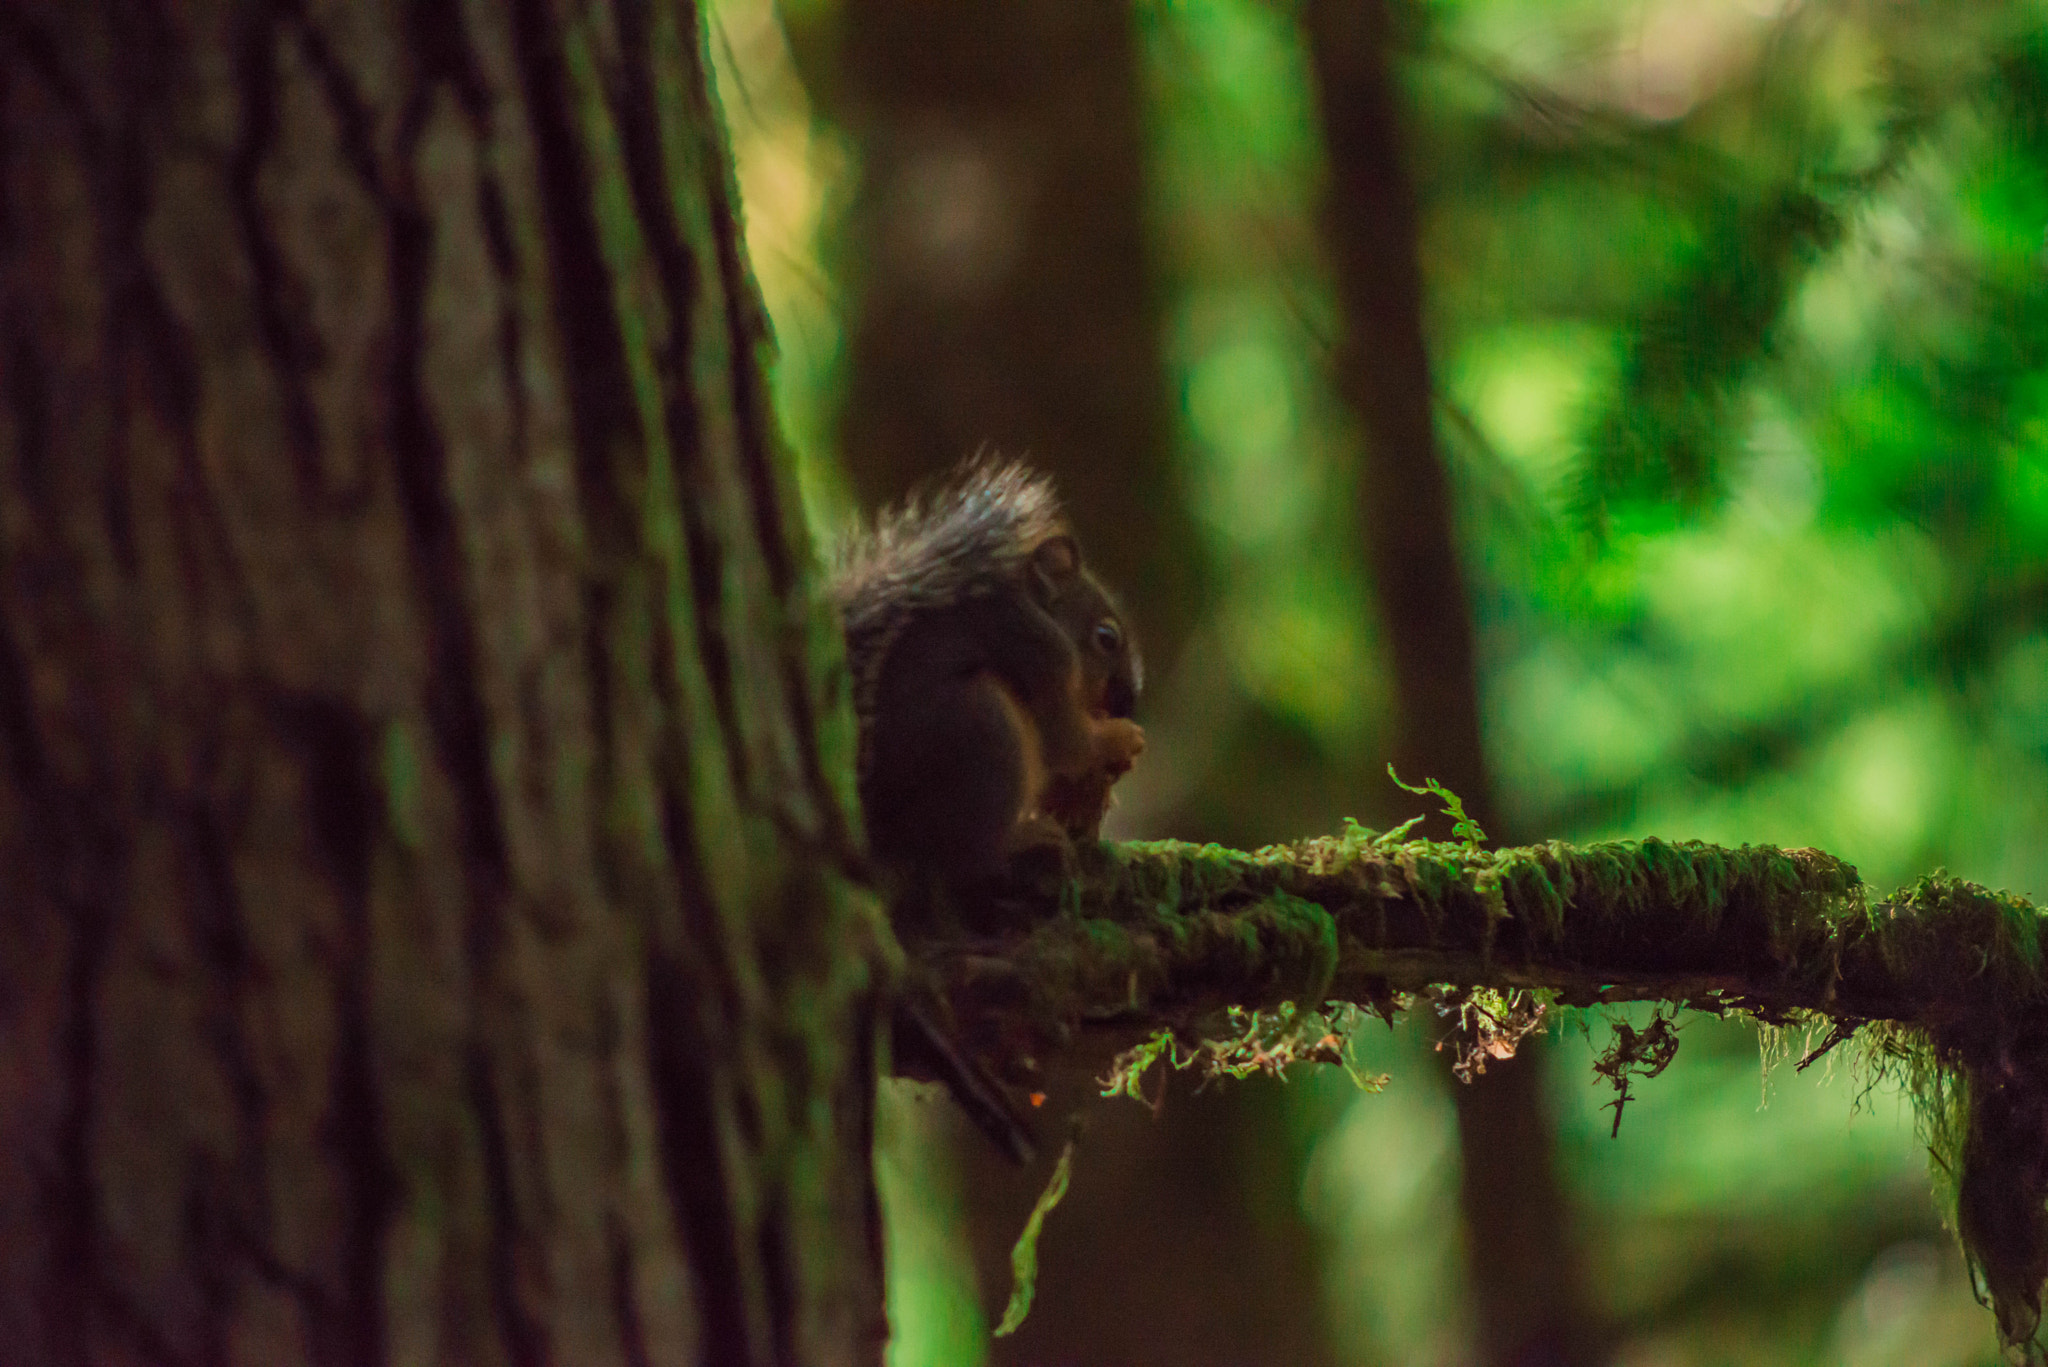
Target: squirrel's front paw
pixel 1118 743
pixel 1078 803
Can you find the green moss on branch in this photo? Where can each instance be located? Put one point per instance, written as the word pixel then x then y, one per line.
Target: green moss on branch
pixel 1944 979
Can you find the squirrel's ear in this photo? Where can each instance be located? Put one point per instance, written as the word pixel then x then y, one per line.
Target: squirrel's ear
pixel 1055 562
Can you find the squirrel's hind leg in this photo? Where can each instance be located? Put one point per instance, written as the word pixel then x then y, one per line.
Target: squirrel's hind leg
pixel 950 779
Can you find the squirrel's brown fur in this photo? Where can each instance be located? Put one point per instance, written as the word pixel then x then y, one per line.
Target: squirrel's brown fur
pixel 994 683
pixel 992 675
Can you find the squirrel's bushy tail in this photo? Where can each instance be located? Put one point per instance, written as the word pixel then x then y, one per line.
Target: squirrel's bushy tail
pixel 979 527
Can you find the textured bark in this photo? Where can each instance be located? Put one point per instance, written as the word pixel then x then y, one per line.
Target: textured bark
pixel 420 936
pixel 1524 1270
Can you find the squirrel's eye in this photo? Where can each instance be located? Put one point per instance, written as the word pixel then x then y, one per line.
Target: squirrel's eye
pixel 1108 635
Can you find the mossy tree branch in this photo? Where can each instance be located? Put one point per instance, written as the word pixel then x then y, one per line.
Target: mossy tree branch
pixel 1947 975
pixel 1159 934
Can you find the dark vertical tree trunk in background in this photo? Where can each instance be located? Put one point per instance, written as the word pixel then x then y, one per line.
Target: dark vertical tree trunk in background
pixel 1522 1264
pixel 1406 515
pixel 420 936
pixel 1003 294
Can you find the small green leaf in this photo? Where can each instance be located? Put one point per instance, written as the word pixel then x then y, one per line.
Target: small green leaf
pixel 1462 826
pixel 1024 1257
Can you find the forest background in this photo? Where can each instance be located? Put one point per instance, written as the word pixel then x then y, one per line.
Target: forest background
pixel 1734 314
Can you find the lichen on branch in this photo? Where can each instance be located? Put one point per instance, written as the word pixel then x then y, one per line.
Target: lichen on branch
pixel 1941 985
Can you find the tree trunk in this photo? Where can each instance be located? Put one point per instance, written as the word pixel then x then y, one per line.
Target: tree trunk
pixel 1522 1266
pixel 1006 293
pixel 423 937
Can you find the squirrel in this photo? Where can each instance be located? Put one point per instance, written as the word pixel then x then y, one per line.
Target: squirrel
pixel 993 677
pixel 993 682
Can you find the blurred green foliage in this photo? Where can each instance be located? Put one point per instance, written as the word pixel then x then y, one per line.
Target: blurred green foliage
pixel 1739 313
